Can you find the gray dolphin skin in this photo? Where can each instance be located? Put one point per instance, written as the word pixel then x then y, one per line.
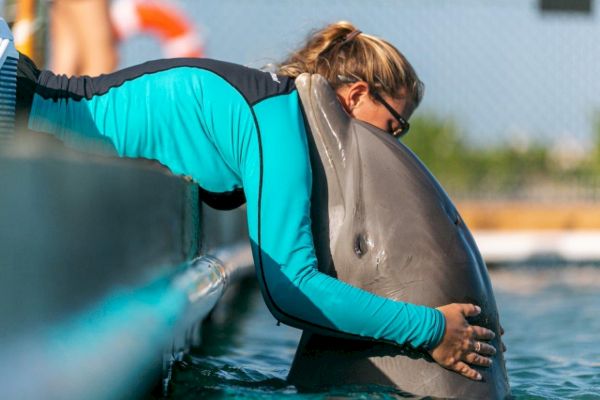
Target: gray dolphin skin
pixel 383 223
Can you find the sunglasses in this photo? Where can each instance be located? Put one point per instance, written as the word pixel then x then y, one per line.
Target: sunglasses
pixel 403 125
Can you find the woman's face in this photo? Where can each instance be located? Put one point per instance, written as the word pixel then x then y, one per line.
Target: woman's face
pixel 361 105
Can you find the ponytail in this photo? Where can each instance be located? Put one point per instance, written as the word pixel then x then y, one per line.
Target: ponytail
pixel 341 53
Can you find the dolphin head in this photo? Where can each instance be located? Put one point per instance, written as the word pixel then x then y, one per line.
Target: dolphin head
pixel 382 222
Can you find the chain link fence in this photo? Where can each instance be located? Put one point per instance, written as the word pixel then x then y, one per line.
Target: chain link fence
pixel 517 85
pixel 505 74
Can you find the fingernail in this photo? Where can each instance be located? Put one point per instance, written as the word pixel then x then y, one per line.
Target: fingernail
pixel 478 377
pixel 478 309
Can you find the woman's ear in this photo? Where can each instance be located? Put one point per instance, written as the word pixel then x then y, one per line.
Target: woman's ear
pixel 353 95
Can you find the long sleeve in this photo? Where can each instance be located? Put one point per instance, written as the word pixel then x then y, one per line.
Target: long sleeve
pixel 157 110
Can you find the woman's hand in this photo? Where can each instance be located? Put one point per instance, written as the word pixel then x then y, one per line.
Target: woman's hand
pixel 462 343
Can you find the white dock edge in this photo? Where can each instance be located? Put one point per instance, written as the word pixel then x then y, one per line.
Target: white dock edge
pixel 518 246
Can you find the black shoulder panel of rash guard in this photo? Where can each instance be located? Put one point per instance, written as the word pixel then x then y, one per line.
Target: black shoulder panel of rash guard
pixel 253 84
pixel 224 200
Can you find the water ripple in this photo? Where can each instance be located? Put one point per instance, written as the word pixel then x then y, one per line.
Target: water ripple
pixel 550 317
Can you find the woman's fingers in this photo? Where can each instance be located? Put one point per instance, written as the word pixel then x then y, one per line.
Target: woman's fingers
pixel 476 359
pixel 464 345
pixel 482 333
pixel 470 310
pixel 467 371
pixel 483 348
pixel 487 349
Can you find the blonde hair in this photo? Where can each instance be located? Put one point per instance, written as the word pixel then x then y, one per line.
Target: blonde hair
pixel 342 54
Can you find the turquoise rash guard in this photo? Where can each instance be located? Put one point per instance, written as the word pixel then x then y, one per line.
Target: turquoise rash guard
pixel 240 134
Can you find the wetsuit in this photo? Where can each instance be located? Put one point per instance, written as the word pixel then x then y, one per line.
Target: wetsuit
pixel 239 133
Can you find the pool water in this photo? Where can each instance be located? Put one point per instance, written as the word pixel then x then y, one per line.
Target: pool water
pixel 551 316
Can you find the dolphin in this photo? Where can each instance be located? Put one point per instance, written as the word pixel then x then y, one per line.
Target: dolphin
pixel 383 223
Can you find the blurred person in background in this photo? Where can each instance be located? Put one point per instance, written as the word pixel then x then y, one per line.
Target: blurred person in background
pixel 81 37
pixel 239 133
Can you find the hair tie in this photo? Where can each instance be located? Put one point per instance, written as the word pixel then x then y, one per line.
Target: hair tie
pixel 349 37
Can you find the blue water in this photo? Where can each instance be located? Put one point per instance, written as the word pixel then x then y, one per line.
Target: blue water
pixel 551 317
pixel 552 323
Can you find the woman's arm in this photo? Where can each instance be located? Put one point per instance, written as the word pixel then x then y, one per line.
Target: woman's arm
pixel 278 185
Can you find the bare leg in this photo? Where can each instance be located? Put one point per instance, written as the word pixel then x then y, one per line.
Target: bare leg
pixel 64 58
pixel 83 42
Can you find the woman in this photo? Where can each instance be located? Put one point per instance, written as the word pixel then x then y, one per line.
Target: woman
pixel 240 134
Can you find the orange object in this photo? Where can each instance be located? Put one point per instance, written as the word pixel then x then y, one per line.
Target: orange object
pixel 24 28
pixel 160 19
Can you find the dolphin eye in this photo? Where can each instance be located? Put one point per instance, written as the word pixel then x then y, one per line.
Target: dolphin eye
pixel 360 245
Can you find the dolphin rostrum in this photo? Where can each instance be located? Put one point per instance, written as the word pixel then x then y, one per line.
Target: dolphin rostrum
pixel 383 223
